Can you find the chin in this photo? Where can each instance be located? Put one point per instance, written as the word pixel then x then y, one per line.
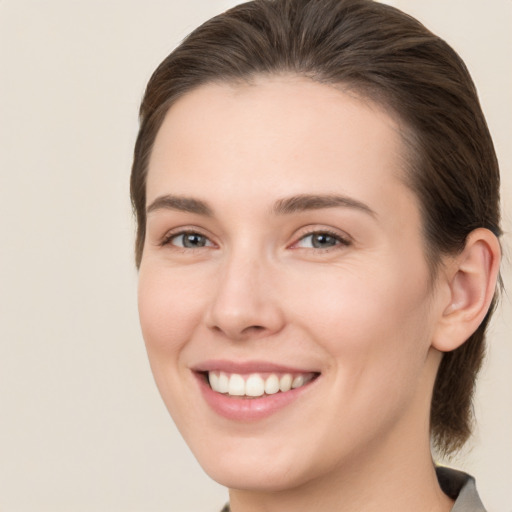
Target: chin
pixel 258 469
pixel 246 477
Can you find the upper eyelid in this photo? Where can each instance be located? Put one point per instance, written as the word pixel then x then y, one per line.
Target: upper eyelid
pixel 328 233
pixel 310 230
pixel 299 234
pixel 172 233
pixel 341 242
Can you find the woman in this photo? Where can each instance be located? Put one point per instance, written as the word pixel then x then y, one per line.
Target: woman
pixel 317 199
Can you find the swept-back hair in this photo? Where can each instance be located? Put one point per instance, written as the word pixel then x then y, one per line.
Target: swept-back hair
pixel 389 57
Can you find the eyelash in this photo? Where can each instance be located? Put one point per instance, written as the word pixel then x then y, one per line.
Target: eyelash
pixel 340 240
pixel 167 240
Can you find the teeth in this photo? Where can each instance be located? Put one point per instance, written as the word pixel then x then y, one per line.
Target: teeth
pixel 236 385
pixel 298 382
pixel 255 385
pixel 214 380
pixel 285 384
pixel 272 385
pixel 223 385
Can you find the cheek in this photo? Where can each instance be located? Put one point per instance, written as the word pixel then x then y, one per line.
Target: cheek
pixel 169 310
pixel 376 333
pixel 375 325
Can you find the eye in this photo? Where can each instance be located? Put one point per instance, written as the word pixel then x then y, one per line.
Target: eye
pixel 321 240
pixel 188 240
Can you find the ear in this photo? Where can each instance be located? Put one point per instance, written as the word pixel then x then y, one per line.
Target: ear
pixel 471 281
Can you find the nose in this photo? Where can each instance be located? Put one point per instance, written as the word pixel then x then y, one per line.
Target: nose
pixel 245 304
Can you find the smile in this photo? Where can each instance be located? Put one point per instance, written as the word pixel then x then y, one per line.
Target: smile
pixel 252 390
pixel 256 384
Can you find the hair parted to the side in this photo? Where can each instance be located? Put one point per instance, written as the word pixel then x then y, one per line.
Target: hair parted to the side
pixel 385 55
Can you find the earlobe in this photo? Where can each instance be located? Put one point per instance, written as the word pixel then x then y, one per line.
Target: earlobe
pixel 472 282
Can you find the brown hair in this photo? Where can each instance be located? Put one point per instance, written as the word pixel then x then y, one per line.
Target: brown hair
pixel 389 57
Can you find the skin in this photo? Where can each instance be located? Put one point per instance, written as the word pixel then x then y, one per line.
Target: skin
pixel 364 312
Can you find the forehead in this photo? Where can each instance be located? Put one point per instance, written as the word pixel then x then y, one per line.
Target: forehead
pixel 289 134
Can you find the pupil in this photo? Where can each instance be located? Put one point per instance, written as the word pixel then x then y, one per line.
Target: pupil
pixel 194 240
pixel 323 240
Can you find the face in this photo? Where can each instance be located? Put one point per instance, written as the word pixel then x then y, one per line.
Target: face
pixel 284 295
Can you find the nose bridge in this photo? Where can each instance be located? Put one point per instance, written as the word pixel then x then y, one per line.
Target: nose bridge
pixel 243 304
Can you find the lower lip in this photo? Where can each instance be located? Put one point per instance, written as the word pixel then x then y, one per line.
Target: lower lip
pixel 249 409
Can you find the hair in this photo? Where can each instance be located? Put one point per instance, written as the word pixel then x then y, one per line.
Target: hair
pixel 388 57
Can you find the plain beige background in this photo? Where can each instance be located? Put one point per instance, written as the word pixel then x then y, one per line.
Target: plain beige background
pixel 81 425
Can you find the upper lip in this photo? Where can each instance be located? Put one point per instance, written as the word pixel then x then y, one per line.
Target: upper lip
pixel 244 367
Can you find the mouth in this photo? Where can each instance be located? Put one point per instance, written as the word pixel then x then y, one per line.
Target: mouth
pixel 252 390
pixel 257 384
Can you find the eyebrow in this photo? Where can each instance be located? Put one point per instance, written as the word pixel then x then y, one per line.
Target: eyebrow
pixel 180 203
pixel 305 202
pixel 285 206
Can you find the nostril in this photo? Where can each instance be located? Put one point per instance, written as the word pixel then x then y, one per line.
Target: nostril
pixel 253 329
pixel 250 328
